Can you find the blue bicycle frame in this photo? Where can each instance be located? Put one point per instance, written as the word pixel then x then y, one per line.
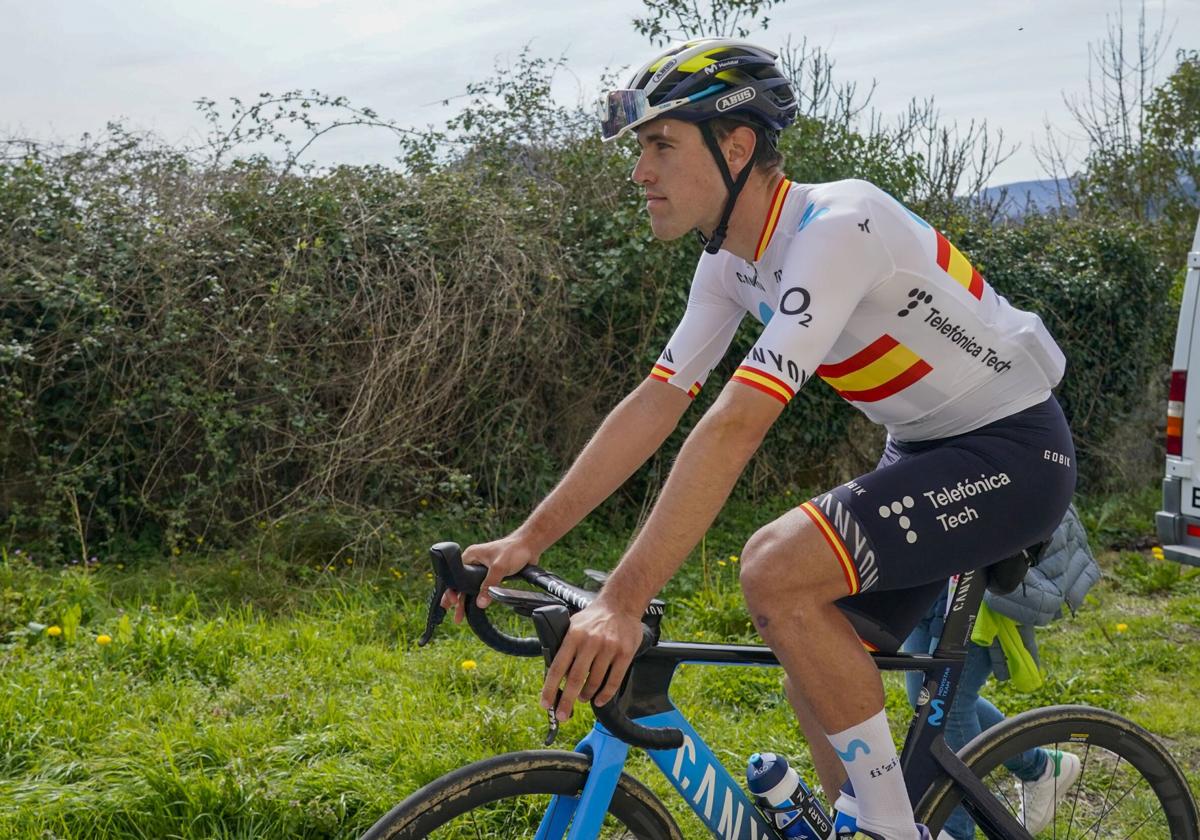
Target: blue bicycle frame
pixel 693 769
pixel 716 798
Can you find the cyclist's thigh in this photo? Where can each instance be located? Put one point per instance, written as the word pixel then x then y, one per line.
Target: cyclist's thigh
pixel 937 508
pixel 943 507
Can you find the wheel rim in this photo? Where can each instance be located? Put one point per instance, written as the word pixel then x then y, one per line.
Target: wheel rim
pixel 507 797
pixel 1127 785
pixel 1110 798
pixel 516 817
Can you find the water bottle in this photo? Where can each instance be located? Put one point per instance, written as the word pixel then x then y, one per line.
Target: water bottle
pixel 845 812
pixel 777 786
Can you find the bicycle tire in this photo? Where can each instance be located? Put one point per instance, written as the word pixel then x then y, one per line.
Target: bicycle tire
pixel 501 780
pixel 1110 744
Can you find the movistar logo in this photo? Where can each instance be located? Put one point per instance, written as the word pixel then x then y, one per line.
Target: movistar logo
pixel 852 750
pixel 736 98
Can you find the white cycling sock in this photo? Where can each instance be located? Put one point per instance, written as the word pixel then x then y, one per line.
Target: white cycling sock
pixel 869 755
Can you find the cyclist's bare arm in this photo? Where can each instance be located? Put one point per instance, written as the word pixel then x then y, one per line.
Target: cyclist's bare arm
pixel 629 435
pixel 604 636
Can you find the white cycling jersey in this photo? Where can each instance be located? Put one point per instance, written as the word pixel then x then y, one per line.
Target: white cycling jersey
pixel 854 287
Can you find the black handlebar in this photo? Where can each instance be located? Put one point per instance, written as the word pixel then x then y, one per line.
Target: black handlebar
pixel 450 573
pixel 551 623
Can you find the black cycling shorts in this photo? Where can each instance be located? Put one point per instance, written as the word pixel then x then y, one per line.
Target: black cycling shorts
pixel 932 509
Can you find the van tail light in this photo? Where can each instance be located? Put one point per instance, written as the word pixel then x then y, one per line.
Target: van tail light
pixel 1175 412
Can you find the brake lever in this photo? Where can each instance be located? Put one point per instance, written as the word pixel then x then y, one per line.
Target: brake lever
pixel 552 624
pixel 447 561
pixel 435 612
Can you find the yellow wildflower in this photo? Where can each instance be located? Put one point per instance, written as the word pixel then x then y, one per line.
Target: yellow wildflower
pixel 469 665
pixel 720 562
pixel 733 558
pixel 175 551
pixel 424 503
pixel 1122 627
pixel 104 639
pixel 54 630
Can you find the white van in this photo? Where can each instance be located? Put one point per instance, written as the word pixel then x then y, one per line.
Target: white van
pixel 1179 520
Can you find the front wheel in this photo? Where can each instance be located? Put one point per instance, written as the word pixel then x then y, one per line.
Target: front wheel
pixel 1102 777
pixel 507 796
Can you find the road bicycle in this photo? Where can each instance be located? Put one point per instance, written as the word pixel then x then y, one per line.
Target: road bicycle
pixel 1129 786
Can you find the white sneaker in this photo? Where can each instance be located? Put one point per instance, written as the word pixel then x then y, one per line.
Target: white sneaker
pixel 1039 797
pixel 942 835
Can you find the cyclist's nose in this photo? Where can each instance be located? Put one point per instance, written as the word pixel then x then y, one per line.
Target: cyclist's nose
pixel 641 172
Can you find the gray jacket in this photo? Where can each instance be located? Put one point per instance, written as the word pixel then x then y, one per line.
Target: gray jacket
pixel 1064 576
pixel 1067 571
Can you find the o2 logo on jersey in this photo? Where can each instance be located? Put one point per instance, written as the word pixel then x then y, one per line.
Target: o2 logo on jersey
pixel 795 301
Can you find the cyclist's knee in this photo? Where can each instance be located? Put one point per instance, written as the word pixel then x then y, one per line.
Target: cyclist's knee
pixel 764 562
pixel 788 560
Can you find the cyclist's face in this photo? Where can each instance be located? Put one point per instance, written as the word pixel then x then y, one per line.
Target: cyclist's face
pixel 683 186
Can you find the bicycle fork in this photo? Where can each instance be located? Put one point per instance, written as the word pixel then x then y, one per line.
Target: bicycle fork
pixel 699 777
pixel 585 813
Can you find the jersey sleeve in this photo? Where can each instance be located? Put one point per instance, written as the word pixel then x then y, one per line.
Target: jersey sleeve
pixel 704 333
pixel 831 265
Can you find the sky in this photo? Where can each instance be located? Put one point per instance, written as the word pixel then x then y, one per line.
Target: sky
pixel 70 66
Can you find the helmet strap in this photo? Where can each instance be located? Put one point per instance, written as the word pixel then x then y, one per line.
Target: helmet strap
pixel 713 244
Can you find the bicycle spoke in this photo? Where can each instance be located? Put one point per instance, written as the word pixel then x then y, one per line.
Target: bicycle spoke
pixel 1106 809
pixel 1106 782
pixel 1087 754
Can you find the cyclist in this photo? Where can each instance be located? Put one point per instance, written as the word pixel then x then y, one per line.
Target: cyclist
pixel 850 287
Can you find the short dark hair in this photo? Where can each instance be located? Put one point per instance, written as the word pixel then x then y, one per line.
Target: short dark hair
pixel 767 157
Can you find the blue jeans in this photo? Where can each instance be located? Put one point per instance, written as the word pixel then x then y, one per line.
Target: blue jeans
pixel 970 714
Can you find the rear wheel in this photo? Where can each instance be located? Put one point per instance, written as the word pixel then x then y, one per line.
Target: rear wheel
pixel 507 796
pixel 1123 784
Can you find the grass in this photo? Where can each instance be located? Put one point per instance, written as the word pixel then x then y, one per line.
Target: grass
pixel 241 696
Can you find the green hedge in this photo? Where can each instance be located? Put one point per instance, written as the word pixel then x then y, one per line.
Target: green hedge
pixel 188 348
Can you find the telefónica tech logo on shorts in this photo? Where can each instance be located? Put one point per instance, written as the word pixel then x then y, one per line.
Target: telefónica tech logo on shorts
pixel 898 508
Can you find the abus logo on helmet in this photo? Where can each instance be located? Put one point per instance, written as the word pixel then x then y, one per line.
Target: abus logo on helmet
pixel 663 71
pixel 735 99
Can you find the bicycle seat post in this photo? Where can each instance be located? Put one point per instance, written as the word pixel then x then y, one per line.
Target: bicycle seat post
pixel 961 612
pixel 941 680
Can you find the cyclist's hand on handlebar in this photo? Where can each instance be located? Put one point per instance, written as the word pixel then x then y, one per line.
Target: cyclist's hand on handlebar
pixel 593 658
pixel 502 558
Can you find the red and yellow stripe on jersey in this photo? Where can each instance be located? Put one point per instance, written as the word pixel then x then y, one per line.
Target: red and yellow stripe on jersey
pixel 835 542
pixel 881 369
pixel 772 220
pixel 765 382
pixel 951 261
pixel 663 374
